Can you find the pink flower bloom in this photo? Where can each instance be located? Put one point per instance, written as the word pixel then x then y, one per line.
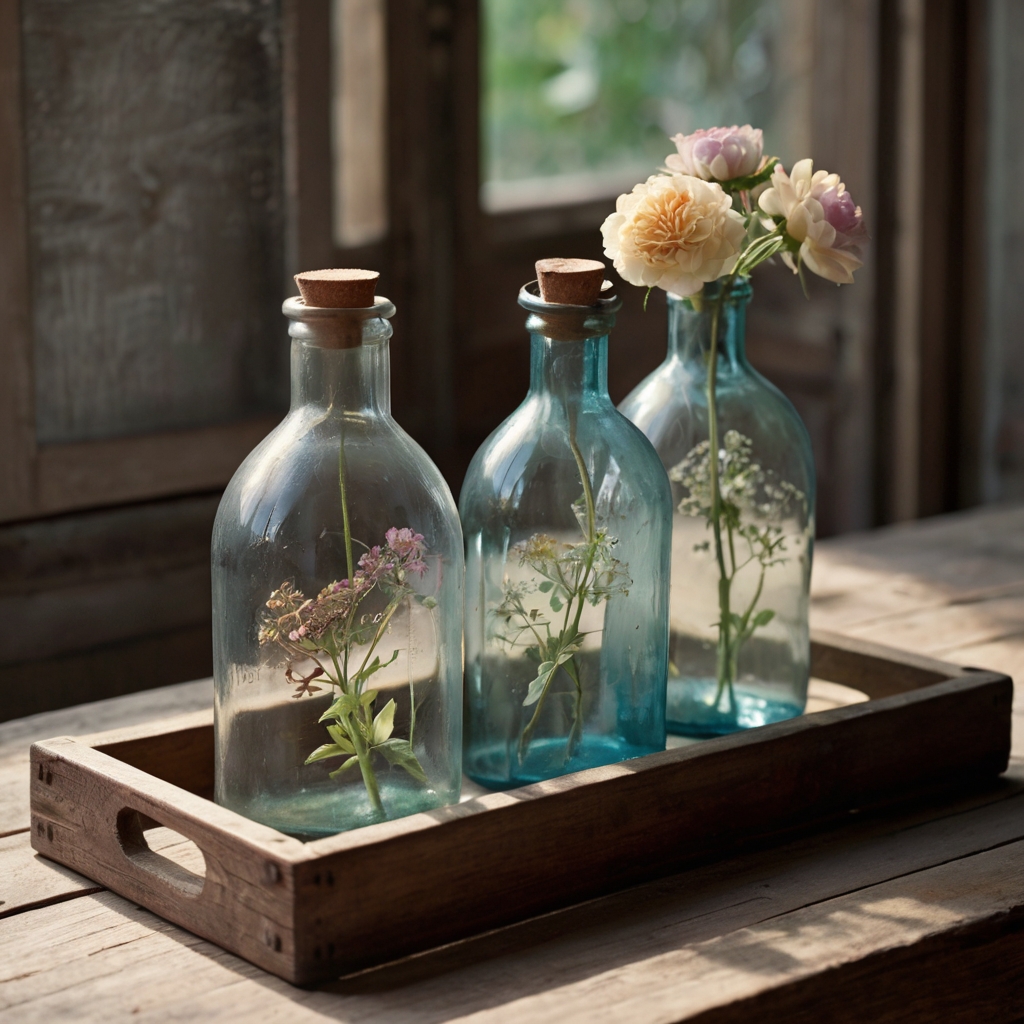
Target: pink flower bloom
pixel 405 543
pixel 821 216
pixel 416 565
pixel 718 154
pixel 374 563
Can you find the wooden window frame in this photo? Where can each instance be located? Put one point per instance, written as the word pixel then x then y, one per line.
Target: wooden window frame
pixel 41 480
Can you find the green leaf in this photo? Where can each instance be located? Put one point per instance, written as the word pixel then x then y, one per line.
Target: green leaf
pixel 556 604
pixel 384 723
pixel 350 763
pixel 326 751
pixel 368 698
pixel 400 754
pixel 759 251
pixel 374 666
pixel 763 618
pixel 341 738
pixel 537 687
pixel 545 586
pixel 751 180
pixel 342 707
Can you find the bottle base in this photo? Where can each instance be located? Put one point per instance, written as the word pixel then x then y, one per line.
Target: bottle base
pixel 497 766
pixel 318 813
pixel 692 710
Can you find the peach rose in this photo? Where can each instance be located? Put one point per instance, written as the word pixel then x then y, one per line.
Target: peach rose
pixel 675 232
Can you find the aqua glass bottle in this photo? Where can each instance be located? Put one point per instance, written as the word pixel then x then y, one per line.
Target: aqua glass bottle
pixel 566 512
pixel 337 600
pixel 739 647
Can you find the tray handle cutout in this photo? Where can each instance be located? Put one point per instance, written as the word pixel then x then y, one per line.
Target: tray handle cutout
pixel 178 869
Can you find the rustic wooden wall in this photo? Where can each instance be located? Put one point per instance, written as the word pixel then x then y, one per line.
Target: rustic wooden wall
pixel 154 197
pixel 153 186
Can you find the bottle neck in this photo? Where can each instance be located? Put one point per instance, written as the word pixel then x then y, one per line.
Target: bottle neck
pixel 342 379
pixel 690 325
pixel 570 370
pixel 340 357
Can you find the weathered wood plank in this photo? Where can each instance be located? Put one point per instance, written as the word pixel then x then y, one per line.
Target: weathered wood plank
pixel 90 473
pixel 28 881
pixel 153 139
pixel 133 709
pixel 17 427
pixel 667 952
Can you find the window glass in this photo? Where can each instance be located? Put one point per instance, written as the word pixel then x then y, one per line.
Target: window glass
pixel 579 95
pixel 359 119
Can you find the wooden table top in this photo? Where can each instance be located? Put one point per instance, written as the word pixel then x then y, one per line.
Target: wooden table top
pixel 916 913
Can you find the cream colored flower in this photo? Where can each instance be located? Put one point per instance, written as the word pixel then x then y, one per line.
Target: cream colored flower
pixel 675 232
pixel 821 215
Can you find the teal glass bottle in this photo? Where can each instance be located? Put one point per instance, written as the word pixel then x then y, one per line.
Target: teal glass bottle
pixel 566 512
pixel 337 600
pixel 753 573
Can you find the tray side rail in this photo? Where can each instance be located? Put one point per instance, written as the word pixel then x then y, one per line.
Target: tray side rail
pixel 547 846
pixel 91 812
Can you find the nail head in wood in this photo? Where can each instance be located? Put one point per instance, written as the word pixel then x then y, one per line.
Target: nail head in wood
pixel 338 289
pixel 570 282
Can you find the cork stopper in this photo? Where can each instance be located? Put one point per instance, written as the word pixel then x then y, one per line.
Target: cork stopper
pixel 338 289
pixel 570 282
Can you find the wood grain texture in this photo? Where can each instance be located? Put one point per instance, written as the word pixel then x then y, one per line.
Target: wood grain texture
pixel 719 937
pixel 27 882
pixel 154 154
pixel 133 709
pixel 126 469
pixel 17 428
pixel 499 858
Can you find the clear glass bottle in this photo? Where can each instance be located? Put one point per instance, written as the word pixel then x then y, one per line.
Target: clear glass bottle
pixel 755 671
pixel 337 600
pixel 567 516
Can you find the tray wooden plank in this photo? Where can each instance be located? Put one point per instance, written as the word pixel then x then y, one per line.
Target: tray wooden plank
pixel 317 910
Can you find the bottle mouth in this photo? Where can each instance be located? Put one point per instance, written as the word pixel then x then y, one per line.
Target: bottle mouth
pixel 339 328
pixel 296 309
pixel 529 298
pixel 563 322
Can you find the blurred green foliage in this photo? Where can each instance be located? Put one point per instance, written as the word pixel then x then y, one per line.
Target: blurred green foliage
pixel 578 85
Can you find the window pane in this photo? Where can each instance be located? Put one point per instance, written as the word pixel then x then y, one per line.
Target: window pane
pixel 154 197
pixel 579 95
pixel 359 121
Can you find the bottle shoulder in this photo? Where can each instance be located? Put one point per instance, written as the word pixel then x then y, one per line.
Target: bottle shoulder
pixel 530 450
pixel 294 474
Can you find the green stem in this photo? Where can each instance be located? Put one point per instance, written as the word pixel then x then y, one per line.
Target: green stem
pixel 588 491
pixel 571 667
pixel 391 609
pixel 724 653
pixel 344 506
pixel 365 768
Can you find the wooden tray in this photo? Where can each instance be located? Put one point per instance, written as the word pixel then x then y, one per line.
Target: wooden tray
pixel 308 911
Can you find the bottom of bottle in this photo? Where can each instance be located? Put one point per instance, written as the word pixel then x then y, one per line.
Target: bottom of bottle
pixel 319 813
pixel 693 709
pixel 497 766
